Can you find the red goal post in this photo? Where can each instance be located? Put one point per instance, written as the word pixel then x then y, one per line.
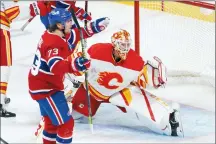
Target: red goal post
pixel 198 47
pixel 200 4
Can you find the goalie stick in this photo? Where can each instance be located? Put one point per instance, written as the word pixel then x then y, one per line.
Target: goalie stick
pixel 83 44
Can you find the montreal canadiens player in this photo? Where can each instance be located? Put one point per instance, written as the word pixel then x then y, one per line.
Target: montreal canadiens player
pixel 119 76
pixel 53 59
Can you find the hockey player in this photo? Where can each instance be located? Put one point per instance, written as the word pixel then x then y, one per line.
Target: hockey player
pixel 119 76
pixel 10 11
pixel 42 8
pixel 53 59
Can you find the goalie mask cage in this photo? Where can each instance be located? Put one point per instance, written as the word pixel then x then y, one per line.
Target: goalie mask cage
pixel 182 34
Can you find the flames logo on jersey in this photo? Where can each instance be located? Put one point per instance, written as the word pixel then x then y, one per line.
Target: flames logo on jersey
pixel 106 77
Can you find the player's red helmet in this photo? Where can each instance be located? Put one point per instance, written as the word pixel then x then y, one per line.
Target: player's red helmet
pixel 121 41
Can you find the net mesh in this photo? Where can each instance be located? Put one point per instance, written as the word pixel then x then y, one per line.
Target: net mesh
pixel 183 36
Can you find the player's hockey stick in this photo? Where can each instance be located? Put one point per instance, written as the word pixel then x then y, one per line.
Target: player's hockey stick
pixel 86 73
pixel 24 26
pixel 85 21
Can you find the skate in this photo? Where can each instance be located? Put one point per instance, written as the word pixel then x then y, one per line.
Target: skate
pixel 4 113
pixel 175 122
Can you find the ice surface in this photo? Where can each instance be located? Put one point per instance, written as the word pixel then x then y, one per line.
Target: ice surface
pixel 111 125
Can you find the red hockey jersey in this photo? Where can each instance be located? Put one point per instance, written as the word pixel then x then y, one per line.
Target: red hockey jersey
pixel 49 67
pixel 106 77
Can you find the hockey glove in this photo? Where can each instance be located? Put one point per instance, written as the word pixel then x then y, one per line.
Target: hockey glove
pixel 97 26
pixel 39 8
pixel 78 62
pixel 82 15
pixel 157 72
pixel 82 64
pixel 34 9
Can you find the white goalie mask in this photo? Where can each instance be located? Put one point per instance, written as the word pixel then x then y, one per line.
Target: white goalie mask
pixel 121 41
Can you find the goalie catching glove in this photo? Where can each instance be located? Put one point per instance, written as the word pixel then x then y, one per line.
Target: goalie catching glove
pixel 157 72
pixel 154 74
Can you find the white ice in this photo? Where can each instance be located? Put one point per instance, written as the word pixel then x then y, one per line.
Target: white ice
pixel 182 43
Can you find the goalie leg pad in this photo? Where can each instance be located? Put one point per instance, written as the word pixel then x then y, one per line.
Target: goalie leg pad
pixel 155 114
pixel 80 103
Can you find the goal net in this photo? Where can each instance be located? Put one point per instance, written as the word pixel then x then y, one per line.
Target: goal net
pixel 182 34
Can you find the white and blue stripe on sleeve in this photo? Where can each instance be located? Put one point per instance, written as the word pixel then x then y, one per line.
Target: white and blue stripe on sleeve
pixel 61 4
pixel 71 40
pixel 53 61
